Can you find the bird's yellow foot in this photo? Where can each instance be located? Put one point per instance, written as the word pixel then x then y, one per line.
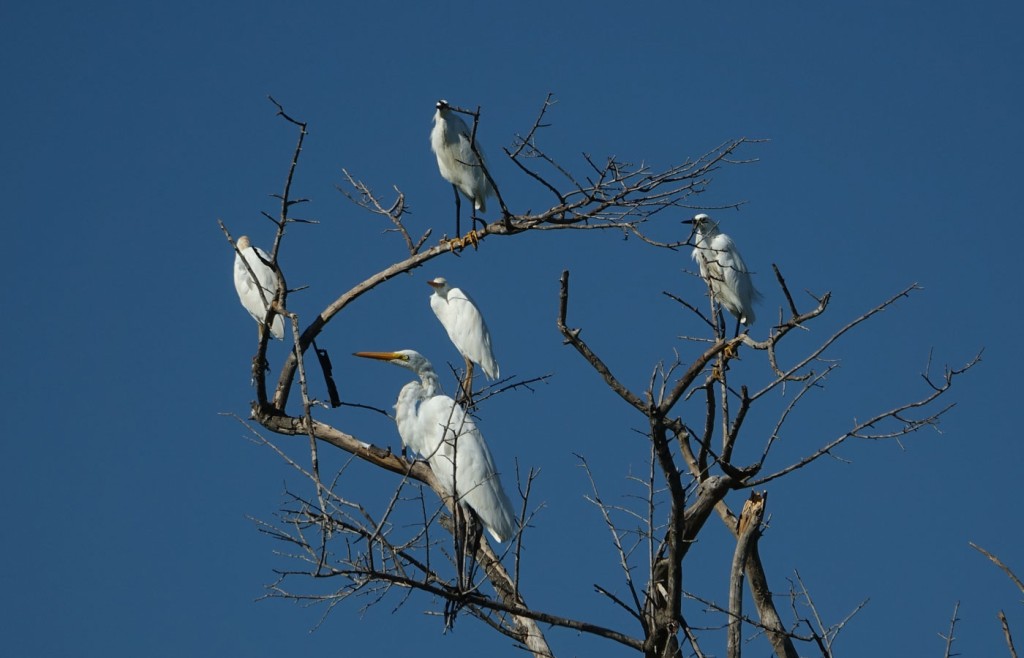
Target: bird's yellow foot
pixel 731 350
pixel 472 238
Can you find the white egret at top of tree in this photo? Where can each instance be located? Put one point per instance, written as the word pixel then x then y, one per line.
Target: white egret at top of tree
pixel 249 291
pixel 466 328
pixel 436 427
pixel 452 142
pixel 722 267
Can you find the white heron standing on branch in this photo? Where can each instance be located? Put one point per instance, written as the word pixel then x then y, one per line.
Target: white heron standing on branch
pixel 452 142
pixel 249 291
pixel 722 267
pixel 435 426
pixel 466 328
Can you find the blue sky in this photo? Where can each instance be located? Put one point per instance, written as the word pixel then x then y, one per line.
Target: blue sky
pixel 132 127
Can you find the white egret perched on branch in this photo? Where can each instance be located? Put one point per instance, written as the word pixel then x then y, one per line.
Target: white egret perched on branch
pixel 722 267
pixel 249 291
pixel 466 328
pixel 453 143
pixel 435 426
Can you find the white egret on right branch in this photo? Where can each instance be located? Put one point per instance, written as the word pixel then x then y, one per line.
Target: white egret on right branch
pixel 249 290
pixel 722 267
pixel 435 426
pixel 466 328
pixel 451 141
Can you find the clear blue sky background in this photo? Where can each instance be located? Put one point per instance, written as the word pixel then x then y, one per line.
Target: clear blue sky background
pixel 131 127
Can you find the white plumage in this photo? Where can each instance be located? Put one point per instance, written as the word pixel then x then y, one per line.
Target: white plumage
pixel 459 165
pixel 722 267
pixel 465 325
pixel 249 291
pixel 437 428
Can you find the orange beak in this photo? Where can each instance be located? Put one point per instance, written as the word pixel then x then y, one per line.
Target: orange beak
pixel 380 356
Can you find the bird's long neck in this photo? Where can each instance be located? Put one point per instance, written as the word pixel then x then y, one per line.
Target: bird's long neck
pixel 413 393
pixel 430 383
pixel 410 395
pixel 408 405
pixel 440 120
pixel 705 235
pixel 406 410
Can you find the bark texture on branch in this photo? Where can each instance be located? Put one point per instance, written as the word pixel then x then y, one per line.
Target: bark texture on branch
pixel 747 531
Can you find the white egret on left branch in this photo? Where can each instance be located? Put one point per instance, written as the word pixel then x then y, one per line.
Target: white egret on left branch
pixel 435 426
pixel 466 328
pixel 722 267
pixel 249 290
pixel 451 141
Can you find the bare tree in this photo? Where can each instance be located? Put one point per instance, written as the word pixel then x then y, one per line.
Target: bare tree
pixel 1003 622
pixel 692 476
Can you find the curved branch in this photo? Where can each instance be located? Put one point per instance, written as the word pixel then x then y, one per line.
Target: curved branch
pixel 999 563
pixel 572 337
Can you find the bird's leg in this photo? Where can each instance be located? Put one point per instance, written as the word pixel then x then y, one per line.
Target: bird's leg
pixel 476 219
pixel 458 212
pixel 467 542
pixel 454 605
pixel 718 317
pixel 730 351
pixel 474 530
pixel 472 237
pixel 467 384
pixel 460 546
pixel 465 395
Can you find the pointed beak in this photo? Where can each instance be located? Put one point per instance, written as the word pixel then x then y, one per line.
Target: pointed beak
pixel 433 283
pixel 380 356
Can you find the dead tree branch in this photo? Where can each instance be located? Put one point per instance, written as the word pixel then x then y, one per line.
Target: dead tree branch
pixel 949 637
pixel 1007 635
pixel 747 533
pixel 999 563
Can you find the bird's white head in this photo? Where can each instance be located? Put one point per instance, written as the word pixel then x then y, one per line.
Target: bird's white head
pixel 440 285
pixel 703 224
pixel 410 359
pixel 243 242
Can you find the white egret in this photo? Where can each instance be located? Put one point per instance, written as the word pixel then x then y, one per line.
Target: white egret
pixel 435 426
pixel 722 267
pixel 249 291
pixel 450 140
pixel 466 328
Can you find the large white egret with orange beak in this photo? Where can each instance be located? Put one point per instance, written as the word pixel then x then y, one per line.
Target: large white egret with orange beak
pixel 466 328
pixel 722 267
pixel 266 280
pixel 451 141
pixel 435 426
